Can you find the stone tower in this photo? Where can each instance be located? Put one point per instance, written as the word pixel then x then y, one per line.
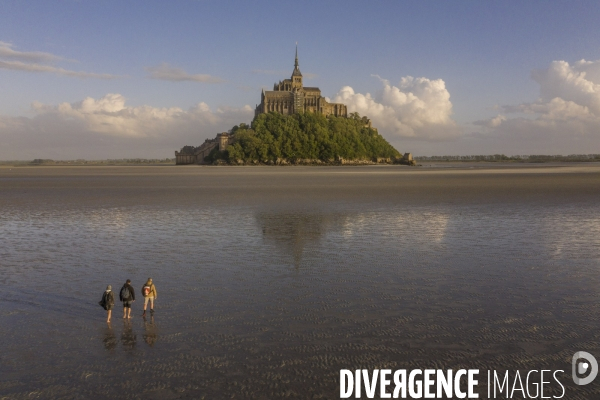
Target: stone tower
pixel 296 75
pixel 290 96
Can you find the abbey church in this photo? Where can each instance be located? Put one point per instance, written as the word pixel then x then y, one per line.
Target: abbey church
pixel 290 96
pixel 343 141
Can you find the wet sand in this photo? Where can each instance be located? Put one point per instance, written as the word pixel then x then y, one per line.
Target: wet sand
pixel 271 280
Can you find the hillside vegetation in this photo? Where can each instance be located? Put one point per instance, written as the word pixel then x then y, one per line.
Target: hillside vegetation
pixel 306 137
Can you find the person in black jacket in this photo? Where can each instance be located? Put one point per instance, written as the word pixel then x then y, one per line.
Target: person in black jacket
pixel 127 296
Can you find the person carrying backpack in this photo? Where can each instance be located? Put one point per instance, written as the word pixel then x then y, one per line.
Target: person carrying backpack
pixel 127 296
pixel 108 301
pixel 149 292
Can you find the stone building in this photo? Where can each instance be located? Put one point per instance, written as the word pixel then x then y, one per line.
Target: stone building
pixel 290 96
pixel 196 155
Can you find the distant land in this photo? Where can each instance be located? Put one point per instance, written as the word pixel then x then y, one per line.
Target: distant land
pixel 80 162
pixel 539 158
pixel 495 158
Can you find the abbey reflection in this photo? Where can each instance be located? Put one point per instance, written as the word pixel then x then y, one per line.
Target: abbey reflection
pixel 295 232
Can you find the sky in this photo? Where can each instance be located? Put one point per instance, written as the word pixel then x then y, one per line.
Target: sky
pixel 141 79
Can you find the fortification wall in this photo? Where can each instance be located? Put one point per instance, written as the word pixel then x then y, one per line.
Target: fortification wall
pixel 221 141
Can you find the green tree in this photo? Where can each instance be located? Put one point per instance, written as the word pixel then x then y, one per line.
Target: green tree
pixel 306 136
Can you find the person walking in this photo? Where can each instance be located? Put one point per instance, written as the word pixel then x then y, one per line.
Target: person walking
pixel 108 302
pixel 149 292
pixel 127 296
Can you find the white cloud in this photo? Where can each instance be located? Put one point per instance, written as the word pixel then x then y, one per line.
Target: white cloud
pixel 579 83
pixel 417 108
pixel 7 52
pixel 108 128
pixel 167 72
pixel 30 67
pixel 492 122
pixel 565 118
pixel 37 62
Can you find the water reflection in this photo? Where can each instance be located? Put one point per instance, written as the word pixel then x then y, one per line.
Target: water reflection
pixel 128 336
pixel 109 340
pixel 150 335
pixel 293 232
pixel 383 282
pixel 569 237
pixel 113 220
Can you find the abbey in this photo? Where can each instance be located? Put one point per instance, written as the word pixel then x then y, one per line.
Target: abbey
pixel 290 96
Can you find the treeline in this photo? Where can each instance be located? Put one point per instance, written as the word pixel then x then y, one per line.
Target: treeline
pixel 274 137
pixel 81 161
pixel 521 158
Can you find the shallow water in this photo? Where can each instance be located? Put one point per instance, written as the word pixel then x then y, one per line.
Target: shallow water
pixel 271 280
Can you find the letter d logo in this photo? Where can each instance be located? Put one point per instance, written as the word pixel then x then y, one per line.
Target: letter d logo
pixel 580 368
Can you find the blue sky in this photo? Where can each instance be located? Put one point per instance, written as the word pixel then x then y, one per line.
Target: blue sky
pixel 142 78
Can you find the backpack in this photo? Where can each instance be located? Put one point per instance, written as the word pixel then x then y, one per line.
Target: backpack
pixel 104 302
pixel 146 290
pixel 125 294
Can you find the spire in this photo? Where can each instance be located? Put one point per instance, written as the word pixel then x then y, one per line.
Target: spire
pixel 296 69
pixel 296 63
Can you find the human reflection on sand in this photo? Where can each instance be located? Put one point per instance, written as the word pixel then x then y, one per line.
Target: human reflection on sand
pixel 128 336
pixel 109 339
pixel 150 335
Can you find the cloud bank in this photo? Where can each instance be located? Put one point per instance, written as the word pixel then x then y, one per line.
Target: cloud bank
pixel 167 72
pixel 565 119
pixel 32 67
pixel 37 62
pixel 417 108
pixel 414 115
pixel 7 52
pixel 108 128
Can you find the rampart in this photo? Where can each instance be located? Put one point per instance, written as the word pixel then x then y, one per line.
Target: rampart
pixel 196 155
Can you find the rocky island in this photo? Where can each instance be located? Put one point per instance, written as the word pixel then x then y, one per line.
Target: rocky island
pixel 294 124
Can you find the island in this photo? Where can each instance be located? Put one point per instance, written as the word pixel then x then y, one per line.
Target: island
pixel 295 124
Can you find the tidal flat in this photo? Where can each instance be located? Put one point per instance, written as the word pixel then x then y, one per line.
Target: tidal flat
pixel 272 279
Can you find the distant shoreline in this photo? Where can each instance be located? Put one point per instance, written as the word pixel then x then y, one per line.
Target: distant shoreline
pixel 81 163
pixel 425 167
pixel 171 162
